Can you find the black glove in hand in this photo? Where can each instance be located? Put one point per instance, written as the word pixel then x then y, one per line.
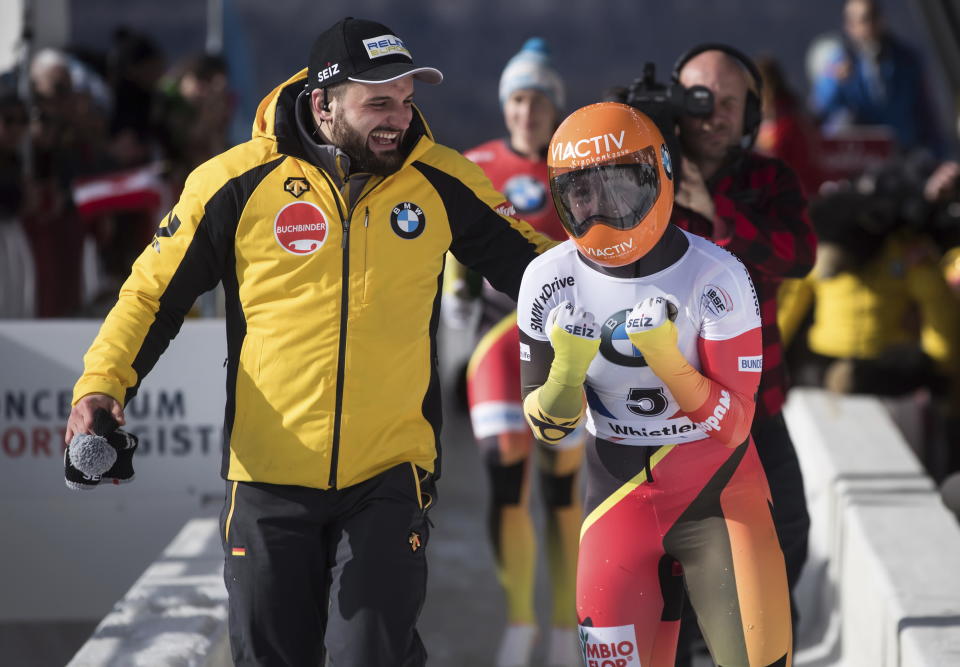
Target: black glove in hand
pixel 106 455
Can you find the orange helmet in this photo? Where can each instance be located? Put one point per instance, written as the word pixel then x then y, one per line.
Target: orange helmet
pixel 612 182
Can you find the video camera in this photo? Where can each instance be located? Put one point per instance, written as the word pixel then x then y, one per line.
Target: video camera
pixel 859 217
pixel 671 101
pixel 665 104
pixel 897 187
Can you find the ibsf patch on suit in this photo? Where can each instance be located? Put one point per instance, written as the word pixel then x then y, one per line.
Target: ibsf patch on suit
pixel 716 300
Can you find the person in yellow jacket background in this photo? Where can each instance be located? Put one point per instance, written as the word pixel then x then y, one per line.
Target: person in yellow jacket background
pixel 882 318
pixel 328 231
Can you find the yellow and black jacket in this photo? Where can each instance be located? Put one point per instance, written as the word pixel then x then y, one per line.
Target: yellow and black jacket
pixel 331 308
pixel 898 298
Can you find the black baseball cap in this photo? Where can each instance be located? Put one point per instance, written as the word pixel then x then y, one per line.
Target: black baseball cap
pixel 362 51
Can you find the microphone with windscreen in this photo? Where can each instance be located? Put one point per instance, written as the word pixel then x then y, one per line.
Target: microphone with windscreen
pixel 106 454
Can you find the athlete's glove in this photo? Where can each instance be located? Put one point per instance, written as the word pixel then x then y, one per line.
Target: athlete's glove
pixel 105 455
pixel 575 337
pixel 554 409
pixel 652 331
pixel 720 412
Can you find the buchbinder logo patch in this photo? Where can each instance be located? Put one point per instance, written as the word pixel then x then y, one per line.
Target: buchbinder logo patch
pixel 300 228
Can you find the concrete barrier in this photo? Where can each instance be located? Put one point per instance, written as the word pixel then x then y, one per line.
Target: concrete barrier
pixel 175 614
pixel 882 585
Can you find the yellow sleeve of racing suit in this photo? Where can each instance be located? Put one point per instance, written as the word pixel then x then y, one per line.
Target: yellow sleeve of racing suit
pixel 723 406
pixel 555 409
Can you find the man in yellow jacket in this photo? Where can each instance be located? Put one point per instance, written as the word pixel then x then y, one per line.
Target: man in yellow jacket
pixel 328 231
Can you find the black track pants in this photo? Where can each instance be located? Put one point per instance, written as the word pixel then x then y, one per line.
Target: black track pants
pixel 348 564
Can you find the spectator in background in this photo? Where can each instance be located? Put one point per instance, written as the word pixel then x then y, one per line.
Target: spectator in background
pixel 119 196
pixel 17 271
pixel 136 65
pixel 13 127
pixel 942 190
pixel 884 321
pixel 47 214
pixel 88 74
pixel 532 98
pixel 50 74
pixel 787 132
pixel 877 80
pixel 73 96
pixel 755 208
pixel 193 113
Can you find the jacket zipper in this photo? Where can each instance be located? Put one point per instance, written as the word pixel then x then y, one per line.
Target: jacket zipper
pixel 366 249
pixel 344 308
pixel 341 349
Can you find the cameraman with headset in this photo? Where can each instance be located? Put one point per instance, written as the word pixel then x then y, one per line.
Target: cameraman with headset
pixel 754 207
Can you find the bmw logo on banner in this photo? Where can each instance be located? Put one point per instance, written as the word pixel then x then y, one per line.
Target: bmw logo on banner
pixel 407 220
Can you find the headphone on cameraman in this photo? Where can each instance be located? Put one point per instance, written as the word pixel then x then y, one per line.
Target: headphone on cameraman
pixel 752 113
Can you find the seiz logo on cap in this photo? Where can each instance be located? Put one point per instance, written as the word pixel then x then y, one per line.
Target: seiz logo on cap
pixel 332 69
pixel 385 45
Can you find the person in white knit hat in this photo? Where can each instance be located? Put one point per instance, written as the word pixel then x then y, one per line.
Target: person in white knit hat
pixel 532 96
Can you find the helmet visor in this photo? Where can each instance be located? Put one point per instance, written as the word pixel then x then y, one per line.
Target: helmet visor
pixel 616 195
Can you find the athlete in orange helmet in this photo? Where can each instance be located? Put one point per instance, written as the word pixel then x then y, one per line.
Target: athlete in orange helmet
pixel 653 335
pixel 612 187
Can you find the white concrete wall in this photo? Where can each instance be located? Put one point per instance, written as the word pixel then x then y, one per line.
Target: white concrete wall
pixel 882 586
pixel 175 614
pixel 52 564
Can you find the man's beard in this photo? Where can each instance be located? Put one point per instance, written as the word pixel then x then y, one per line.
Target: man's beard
pixel 698 149
pixel 363 159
